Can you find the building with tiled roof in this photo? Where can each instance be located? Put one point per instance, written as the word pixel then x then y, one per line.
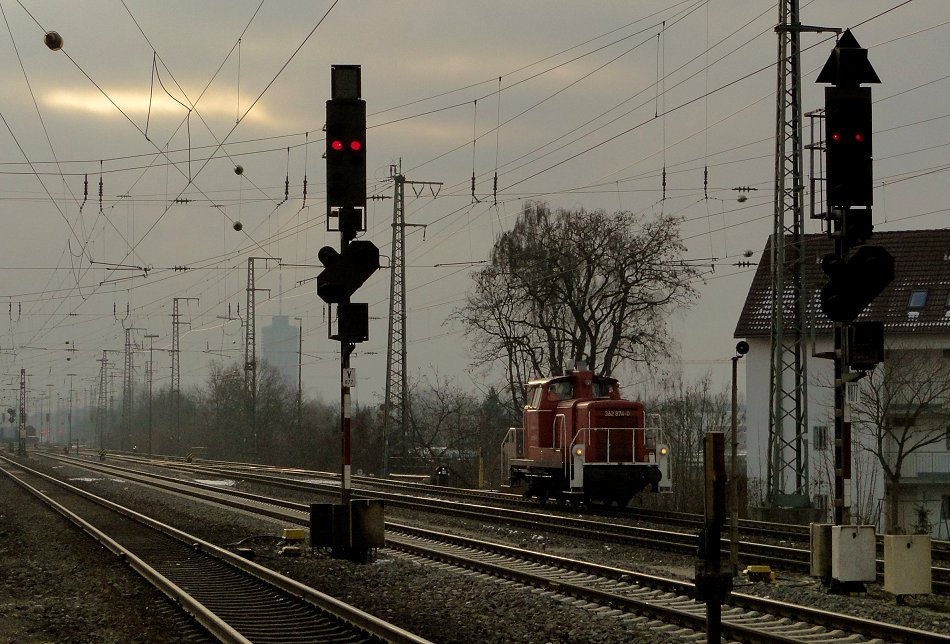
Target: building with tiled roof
pixel 915 310
pixel 922 264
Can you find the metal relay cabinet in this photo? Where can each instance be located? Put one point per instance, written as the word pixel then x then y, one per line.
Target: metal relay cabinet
pixel 907 562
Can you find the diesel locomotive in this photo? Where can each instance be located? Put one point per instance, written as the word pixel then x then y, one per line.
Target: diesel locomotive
pixel 582 442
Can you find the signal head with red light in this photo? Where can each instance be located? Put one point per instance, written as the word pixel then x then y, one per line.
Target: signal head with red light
pixel 848 147
pixel 346 161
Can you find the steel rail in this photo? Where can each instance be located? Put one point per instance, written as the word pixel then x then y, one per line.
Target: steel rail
pixel 870 628
pixel 782 531
pixel 851 625
pixel 351 622
pixel 782 557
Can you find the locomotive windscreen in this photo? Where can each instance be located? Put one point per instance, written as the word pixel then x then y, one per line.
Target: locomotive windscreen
pixel 602 388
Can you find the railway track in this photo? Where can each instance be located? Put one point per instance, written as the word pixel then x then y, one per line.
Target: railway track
pixel 786 533
pixel 234 599
pixel 746 618
pixel 796 560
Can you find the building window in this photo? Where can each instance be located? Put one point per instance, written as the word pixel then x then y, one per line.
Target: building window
pixel 820 436
pixel 853 391
pixel 917 299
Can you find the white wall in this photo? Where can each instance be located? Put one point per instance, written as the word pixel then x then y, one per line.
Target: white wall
pixel 757 369
pixel 867 485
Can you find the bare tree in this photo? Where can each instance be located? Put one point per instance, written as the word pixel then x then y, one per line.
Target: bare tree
pixel 575 284
pixel 689 410
pixel 455 429
pixel 902 407
pixel 442 417
pixel 494 418
pixel 864 474
pixel 220 410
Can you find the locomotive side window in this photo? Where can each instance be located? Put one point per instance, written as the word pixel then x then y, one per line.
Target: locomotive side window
pixel 534 396
pixel 602 388
pixel 561 390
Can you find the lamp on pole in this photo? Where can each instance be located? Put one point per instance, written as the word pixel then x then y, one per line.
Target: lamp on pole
pixel 742 348
pixel 148 372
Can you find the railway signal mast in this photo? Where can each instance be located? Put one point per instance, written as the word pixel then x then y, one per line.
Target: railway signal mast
pixel 857 274
pixel 855 278
pixel 346 270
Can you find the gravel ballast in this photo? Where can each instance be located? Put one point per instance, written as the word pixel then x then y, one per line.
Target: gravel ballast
pixel 443 605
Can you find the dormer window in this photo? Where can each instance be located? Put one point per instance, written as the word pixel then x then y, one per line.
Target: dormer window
pixel 917 300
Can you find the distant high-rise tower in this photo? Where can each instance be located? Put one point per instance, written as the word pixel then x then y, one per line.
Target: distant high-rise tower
pixel 279 347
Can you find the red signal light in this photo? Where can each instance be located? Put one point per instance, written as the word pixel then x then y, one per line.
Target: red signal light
pixel 836 136
pixel 859 137
pixel 356 146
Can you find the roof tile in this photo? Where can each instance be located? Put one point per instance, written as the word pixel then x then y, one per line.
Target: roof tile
pixel 921 262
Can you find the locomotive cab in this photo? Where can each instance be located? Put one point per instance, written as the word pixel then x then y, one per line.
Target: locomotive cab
pixel 582 441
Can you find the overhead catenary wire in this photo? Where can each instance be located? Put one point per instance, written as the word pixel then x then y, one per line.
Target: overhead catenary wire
pixel 555 187
pixel 474 139
pixel 247 111
pixel 267 138
pixel 494 190
pixel 113 102
pixel 42 121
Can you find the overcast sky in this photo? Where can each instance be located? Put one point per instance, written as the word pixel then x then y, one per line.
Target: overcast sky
pixel 579 104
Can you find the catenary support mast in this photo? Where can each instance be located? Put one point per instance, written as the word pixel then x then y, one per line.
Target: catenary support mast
pixel 788 409
pixel 396 407
pixel 250 357
pixel 176 367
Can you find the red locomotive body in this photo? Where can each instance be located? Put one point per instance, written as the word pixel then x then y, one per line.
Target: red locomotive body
pixel 581 441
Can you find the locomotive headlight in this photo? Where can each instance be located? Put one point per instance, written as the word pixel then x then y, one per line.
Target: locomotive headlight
pixel 664 450
pixel 578 451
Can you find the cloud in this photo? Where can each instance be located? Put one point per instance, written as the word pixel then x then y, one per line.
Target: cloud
pixel 138 104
